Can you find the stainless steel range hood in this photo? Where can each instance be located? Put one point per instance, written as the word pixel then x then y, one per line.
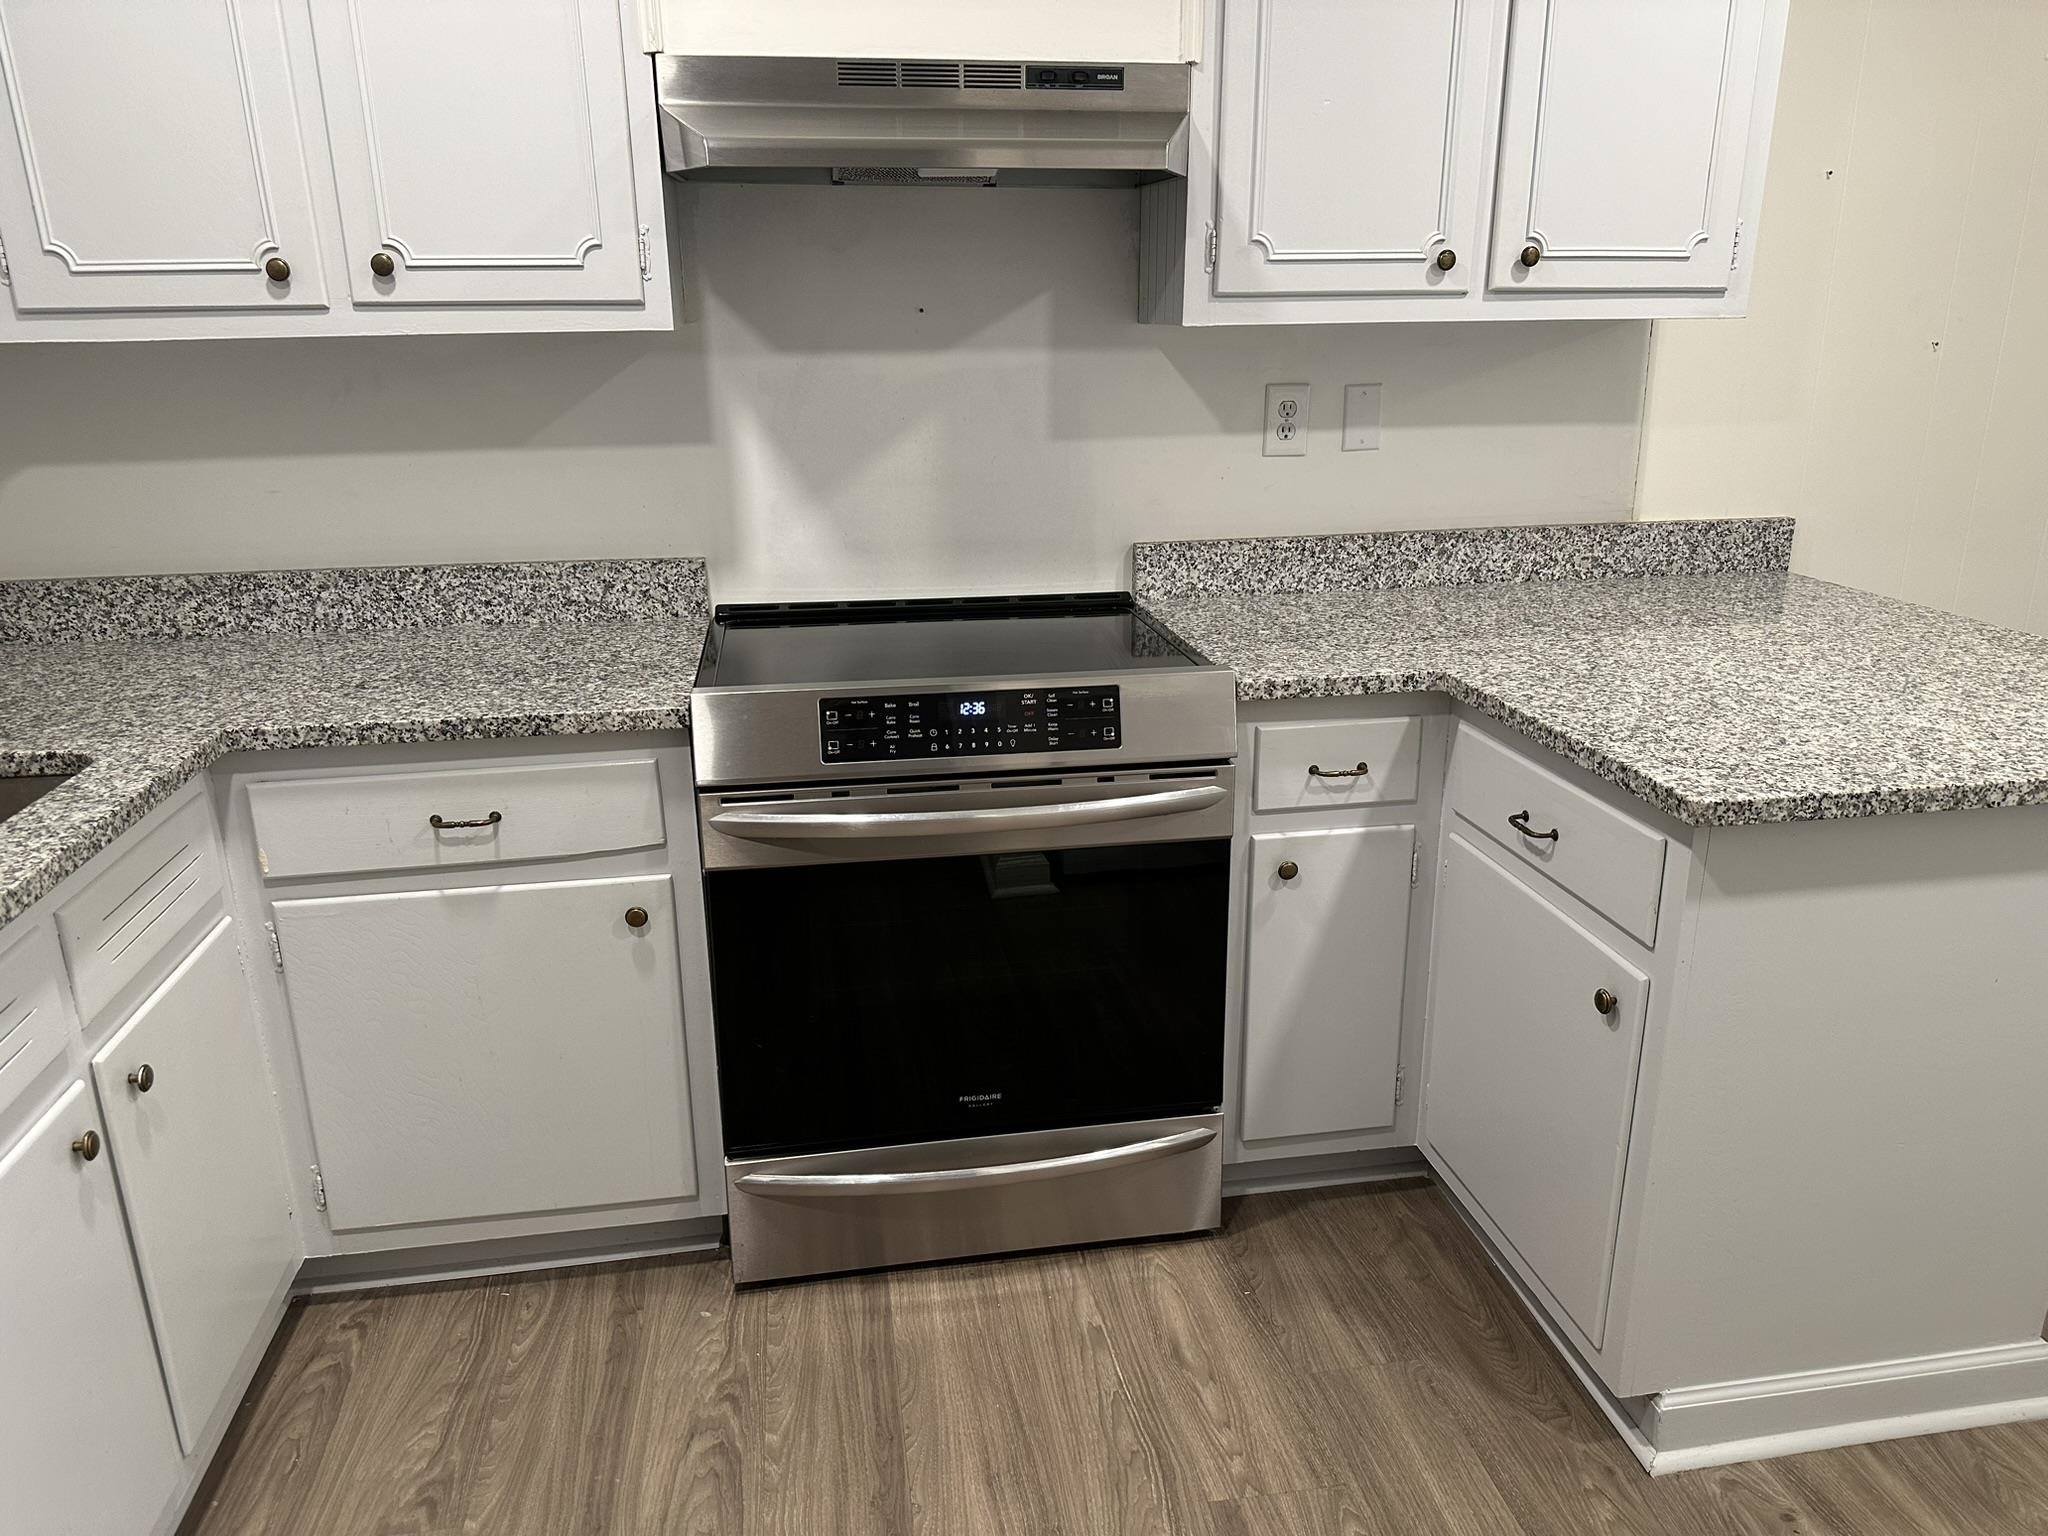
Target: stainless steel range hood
pixel 921 120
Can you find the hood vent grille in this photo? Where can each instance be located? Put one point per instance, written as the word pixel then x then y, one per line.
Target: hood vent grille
pixel 930 75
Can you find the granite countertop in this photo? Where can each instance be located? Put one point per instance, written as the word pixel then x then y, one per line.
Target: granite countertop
pixel 1724 699
pixel 153 699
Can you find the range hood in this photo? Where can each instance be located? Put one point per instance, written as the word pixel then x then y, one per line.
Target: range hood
pixel 924 120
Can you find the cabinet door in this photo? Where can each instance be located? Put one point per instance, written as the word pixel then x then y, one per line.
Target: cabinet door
pixel 86 1447
pixel 1323 980
pixel 484 147
pixel 1624 137
pixel 1531 1086
pixel 195 1140
pixel 1351 145
pixel 485 1052
pixel 150 157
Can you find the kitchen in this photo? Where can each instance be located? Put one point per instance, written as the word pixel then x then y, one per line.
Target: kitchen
pixel 370 623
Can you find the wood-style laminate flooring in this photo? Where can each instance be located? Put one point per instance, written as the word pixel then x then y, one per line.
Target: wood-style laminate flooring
pixel 1334 1363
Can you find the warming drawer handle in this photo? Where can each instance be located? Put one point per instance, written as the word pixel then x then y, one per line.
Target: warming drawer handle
pixel 772 824
pixel 977 1178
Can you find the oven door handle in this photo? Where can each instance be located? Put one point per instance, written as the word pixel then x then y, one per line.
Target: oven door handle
pixel 773 823
pixel 936 1179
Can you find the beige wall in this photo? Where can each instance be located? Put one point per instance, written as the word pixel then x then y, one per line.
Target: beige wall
pixel 1890 388
pixel 889 390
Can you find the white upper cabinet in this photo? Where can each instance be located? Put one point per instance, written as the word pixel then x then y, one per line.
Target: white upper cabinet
pixel 1623 139
pixel 154 159
pixel 221 168
pixel 1075 31
pixel 1467 160
pixel 1309 84
pixel 482 151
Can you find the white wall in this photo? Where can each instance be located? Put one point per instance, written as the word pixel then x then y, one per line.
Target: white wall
pixel 1890 388
pixel 890 390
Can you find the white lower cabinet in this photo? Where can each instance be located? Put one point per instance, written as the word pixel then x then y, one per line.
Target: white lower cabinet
pixel 1326 954
pixel 493 1050
pixel 195 1141
pixel 86 1444
pixel 1535 1028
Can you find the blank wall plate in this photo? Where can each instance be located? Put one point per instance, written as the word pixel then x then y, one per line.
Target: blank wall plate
pixel 1286 421
pixel 1361 417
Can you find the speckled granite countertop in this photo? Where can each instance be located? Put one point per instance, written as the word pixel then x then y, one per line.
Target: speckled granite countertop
pixel 1724 699
pixel 142 714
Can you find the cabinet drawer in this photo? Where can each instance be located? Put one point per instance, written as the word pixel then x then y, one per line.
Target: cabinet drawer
pixel 1315 764
pixel 35 1010
pixel 488 815
pixel 119 924
pixel 1608 860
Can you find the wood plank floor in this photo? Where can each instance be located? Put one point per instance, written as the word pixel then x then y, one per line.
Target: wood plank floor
pixel 1334 1363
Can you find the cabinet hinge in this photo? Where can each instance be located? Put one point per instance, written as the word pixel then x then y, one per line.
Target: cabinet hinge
pixel 1209 250
pixel 276 945
pixel 1400 1085
pixel 319 1189
pixel 1415 865
pixel 646 258
pixel 1735 250
pixel 6 272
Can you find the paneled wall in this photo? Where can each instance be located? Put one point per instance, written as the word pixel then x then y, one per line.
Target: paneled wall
pixel 1889 388
pixel 887 390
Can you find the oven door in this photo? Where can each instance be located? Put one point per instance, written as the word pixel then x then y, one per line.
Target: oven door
pixel 903 964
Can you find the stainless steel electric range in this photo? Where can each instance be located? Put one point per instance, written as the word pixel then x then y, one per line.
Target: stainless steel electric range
pixel 967 875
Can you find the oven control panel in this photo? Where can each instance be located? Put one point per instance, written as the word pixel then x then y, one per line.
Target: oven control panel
pixel 994 721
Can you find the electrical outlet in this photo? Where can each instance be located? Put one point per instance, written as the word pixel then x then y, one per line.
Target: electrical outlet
pixel 1286 421
pixel 1361 417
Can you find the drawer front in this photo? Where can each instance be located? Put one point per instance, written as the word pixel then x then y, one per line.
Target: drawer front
pixel 120 923
pixel 35 1010
pixel 386 821
pixel 1609 861
pixel 1318 764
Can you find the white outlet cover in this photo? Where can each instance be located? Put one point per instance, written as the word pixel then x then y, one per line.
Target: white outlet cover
pixel 1361 417
pixel 1286 434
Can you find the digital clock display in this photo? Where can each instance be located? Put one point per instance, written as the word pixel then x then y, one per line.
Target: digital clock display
pixel 973 707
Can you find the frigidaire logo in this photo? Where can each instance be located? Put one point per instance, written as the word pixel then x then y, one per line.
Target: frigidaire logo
pixel 979 1098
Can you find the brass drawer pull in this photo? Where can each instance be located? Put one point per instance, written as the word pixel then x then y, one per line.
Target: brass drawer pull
pixel 1520 822
pixel 636 917
pixel 1318 772
pixel 87 1146
pixel 1288 869
pixel 143 1078
pixel 439 825
pixel 1605 1002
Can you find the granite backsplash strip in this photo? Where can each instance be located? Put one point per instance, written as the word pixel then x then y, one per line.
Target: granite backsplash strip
pixel 1437 557
pixel 346 599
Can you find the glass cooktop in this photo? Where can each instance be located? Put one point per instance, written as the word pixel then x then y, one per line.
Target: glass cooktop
pixel 829 644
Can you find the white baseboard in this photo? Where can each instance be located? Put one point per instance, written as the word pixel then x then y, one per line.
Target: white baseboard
pixel 1711 1426
pixel 1817 1410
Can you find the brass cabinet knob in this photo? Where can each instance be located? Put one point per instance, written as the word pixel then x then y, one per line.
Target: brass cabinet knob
pixel 636 917
pixel 1288 870
pixel 1446 259
pixel 143 1078
pixel 87 1146
pixel 381 264
pixel 1605 1002
pixel 1531 254
pixel 278 270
